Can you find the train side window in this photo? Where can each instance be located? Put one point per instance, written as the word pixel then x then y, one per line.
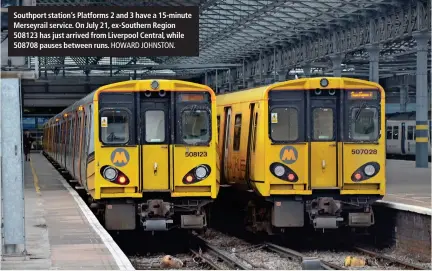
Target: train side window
pixel 284 124
pixel 116 128
pixel 389 132
pixel 323 124
pixel 255 131
pixel 410 133
pixel 364 124
pixel 395 132
pixel 155 126
pixel 237 132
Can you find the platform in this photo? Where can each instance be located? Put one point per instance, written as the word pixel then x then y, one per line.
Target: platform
pixel 408 184
pixel 61 231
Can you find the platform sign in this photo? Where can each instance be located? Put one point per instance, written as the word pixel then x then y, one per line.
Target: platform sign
pixel 104 122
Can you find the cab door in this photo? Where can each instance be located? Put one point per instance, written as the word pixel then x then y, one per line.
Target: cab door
pixel 323 143
pixel 154 146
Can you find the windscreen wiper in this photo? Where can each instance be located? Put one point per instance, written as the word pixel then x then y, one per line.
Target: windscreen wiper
pixel 363 106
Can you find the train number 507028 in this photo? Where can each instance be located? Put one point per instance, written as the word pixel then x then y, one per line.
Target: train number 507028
pixel 364 151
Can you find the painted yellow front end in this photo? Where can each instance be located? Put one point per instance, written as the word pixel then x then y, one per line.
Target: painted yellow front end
pixel 158 174
pixel 340 166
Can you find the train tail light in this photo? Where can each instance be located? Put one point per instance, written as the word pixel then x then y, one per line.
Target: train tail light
pixel 114 175
pixel 283 172
pixel 365 172
pixel 197 174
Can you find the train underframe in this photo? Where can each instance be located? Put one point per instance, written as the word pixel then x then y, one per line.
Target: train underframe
pixel 276 214
pixel 155 213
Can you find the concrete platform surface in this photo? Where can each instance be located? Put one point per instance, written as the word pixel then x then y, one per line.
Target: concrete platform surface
pixel 408 184
pixel 61 231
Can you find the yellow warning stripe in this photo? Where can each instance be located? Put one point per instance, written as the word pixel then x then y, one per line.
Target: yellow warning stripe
pixel 422 127
pixel 422 139
pixel 35 178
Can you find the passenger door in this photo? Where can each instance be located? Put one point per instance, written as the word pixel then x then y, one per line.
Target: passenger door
pixel 324 143
pixel 154 145
pixel 226 144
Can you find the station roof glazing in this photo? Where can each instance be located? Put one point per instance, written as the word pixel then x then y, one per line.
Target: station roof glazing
pixel 230 31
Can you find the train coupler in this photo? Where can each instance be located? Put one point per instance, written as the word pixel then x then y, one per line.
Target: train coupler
pixel 326 222
pixel 325 213
pixel 156 224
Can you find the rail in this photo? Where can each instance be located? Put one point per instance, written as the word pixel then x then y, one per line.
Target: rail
pixel 227 259
pixel 289 252
pixel 390 259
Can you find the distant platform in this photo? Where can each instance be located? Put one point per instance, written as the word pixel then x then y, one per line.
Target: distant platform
pixel 408 184
pixel 61 231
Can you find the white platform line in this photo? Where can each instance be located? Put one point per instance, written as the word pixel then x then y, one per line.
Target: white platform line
pixel 405 207
pixel 118 255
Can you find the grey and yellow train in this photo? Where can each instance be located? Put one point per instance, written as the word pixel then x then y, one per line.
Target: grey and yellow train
pixel 303 150
pixel 143 150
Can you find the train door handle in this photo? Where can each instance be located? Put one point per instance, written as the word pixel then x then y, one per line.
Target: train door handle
pixel 155 166
pixel 164 147
pixel 323 164
pixel 333 145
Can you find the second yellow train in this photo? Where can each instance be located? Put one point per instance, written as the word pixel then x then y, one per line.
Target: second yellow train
pixel 306 151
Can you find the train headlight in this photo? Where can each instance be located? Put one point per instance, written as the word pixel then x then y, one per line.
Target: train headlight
pixel 279 171
pixel 200 172
pixel 369 170
pixel 110 173
pixel 324 82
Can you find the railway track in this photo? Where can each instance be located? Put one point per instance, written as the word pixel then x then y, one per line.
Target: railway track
pixel 389 259
pixel 287 252
pixel 221 255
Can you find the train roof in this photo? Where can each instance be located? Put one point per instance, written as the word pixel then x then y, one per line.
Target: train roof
pixel 260 93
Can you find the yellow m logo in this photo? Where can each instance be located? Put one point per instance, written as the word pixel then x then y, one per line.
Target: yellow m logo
pixel 119 157
pixel 289 155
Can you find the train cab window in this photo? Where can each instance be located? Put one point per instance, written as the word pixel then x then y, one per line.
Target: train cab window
pixel 323 124
pixel 114 126
pixel 237 132
pixel 364 124
pixel 195 127
pixel 154 126
pixel 395 132
pixel 389 132
pixel 284 124
pixel 410 133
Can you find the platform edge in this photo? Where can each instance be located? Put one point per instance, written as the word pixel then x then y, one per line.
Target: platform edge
pixel 120 258
pixel 405 207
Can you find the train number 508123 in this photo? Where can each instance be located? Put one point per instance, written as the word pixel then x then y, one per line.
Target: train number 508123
pixel 196 154
pixel 364 151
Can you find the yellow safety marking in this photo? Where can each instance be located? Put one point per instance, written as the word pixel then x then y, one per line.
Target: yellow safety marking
pixel 422 139
pixel 422 127
pixel 35 178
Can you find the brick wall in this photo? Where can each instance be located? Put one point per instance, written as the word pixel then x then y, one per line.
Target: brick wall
pixel 406 232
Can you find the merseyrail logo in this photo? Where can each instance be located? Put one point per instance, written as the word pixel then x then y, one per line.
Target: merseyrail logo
pixel 288 154
pixel 120 157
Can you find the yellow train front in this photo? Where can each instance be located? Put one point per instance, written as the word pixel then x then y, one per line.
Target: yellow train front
pixel 306 151
pixel 145 152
